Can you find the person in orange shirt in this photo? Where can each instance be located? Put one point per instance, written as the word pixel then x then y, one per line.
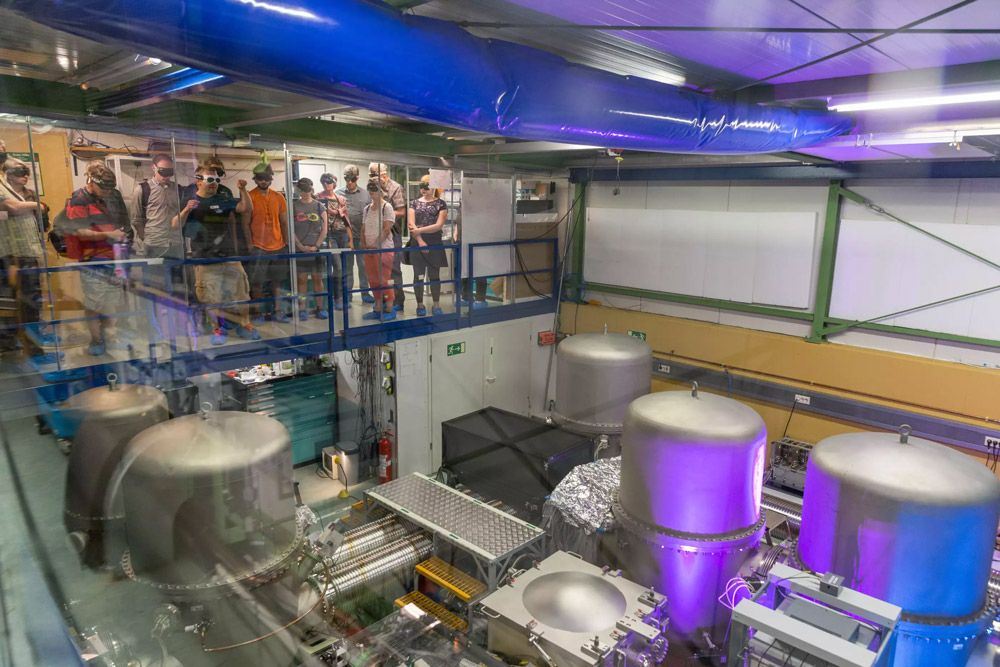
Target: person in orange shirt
pixel 268 231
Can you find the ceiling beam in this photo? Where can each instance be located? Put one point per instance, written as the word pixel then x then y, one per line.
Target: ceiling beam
pixel 848 170
pixel 179 83
pixel 287 112
pixel 502 25
pixel 863 43
pixel 520 148
pixel 986 72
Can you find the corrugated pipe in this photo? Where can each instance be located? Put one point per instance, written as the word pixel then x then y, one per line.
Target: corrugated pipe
pixel 364 540
pixel 369 55
pixel 781 507
pixel 402 554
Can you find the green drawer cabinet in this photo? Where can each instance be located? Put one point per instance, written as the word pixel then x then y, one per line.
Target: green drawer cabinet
pixel 305 404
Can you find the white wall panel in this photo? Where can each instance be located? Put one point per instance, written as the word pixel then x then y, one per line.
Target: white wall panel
pixel 687 196
pixel 679 239
pixel 765 257
pixel 783 273
pixel 884 267
pixel 732 265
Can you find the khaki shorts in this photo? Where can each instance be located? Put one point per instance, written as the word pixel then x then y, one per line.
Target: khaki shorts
pixel 221 283
pixel 103 291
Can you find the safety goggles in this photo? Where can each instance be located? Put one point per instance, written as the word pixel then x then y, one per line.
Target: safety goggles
pixel 104 185
pixel 19 171
pixel 208 179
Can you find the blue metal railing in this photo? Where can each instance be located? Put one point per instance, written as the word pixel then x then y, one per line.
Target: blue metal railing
pixel 176 296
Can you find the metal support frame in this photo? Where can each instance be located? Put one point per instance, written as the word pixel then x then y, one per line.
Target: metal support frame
pixel 827 262
pixel 822 324
pixel 578 240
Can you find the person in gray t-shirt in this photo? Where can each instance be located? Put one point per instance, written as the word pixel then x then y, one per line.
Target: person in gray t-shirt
pixel 357 199
pixel 154 204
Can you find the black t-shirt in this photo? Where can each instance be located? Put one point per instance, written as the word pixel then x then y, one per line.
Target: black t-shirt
pixel 212 227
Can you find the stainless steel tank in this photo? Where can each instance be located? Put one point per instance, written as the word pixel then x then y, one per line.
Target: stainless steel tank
pixel 109 417
pixel 209 502
pixel 689 500
pixel 597 376
pixel 908 521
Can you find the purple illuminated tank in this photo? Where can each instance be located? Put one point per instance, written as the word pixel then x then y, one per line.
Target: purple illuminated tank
pixel 689 501
pixel 911 522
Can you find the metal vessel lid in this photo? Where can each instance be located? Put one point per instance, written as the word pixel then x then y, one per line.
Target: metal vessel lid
pixel 605 348
pixel 695 416
pixel 914 470
pixel 207 443
pixel 115 398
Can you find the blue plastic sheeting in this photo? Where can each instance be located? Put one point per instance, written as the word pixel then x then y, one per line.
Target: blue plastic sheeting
pixel 368 55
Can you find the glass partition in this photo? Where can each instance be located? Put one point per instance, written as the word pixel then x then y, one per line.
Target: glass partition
pixel 157 290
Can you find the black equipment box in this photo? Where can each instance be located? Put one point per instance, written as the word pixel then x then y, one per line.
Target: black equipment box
pixel 508 457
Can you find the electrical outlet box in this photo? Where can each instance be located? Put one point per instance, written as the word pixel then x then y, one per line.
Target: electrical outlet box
pixel 991 443
pixel 803 399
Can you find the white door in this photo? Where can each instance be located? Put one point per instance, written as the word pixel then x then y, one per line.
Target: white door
pixel 456 380
pixel 507 371
pixel 413 415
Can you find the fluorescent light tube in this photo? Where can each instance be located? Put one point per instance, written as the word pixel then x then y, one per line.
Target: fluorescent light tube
pixel 912 102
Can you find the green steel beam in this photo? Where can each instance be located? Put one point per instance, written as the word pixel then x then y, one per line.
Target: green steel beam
pixel 827 263
pixel 579 231
pixel 722 304
pixel 869 204
pixel 917 333
pixel 209 117
pixel 35 97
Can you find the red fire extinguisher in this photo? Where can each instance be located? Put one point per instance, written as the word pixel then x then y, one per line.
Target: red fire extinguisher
pixel 384 458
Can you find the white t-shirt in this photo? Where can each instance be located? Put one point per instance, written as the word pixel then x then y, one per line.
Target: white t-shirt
pixel 372 225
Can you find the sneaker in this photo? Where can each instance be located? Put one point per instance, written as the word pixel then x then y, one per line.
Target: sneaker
pixel 367 298
pixel 303 314
pixel 48 339
pixel 338 306
pixel 436 310
pixel 322 314
pixel 96 349
pixel 281 317
pixel 397 307
pixel 218 337
pixel 248 332
pixel 478 305
pixel 374 315
pixel 389 316
pixel 421 310
pixel 50 358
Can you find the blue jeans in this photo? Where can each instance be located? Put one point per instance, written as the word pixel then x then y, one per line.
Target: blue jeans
pixel 338 239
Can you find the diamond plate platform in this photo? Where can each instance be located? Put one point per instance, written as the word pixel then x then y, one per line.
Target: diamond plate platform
pixel 469 524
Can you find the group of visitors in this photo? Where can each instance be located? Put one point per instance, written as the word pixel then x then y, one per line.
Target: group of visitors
pixel 205 222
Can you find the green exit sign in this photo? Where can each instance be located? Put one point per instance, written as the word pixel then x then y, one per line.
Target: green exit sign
pixel 456 348
pixel 641 335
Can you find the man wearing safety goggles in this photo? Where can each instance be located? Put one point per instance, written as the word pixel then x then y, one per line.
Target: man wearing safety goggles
pixel 311 221
pixel 155 203
pixel 95 227
pixel 268 228
pixel 21 248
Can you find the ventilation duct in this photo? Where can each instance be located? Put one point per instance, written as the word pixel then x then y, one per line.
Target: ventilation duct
pixel 368 55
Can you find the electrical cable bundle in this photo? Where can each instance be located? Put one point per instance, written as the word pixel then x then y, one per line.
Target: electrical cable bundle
pixel 368 373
